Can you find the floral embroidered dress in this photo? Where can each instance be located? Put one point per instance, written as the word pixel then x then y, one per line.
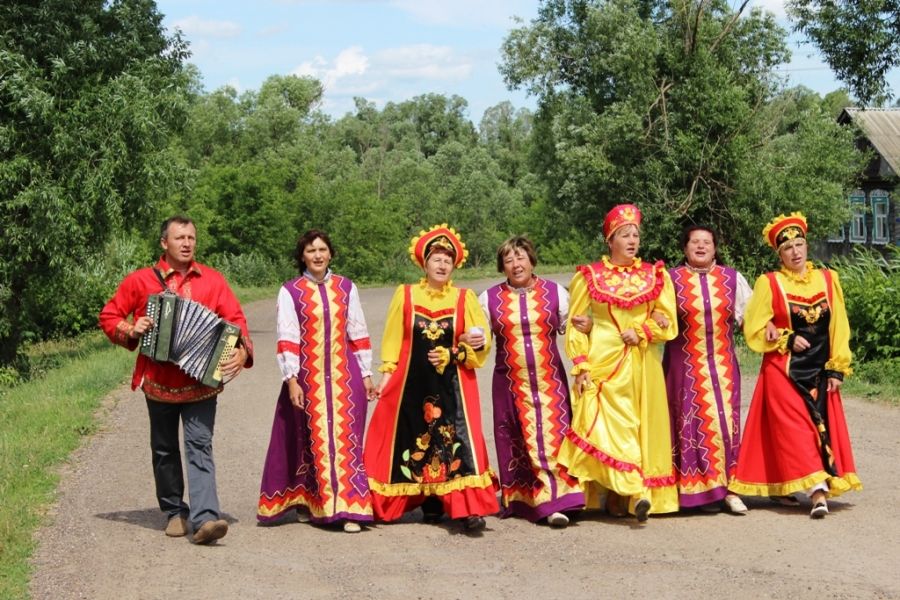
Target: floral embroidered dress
pixel 425 437
pixel 315 453
pixel 531 398
pixel 796 435
pixel 620 436
pixel 703 381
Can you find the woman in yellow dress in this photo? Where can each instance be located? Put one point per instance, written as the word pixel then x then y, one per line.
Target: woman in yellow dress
pixel 619 442
pixel 796 438
pixel 425 445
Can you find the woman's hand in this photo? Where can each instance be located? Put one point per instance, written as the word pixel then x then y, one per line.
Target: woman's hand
pixel 800 344
pixel 582 382
pixel 834 384
pixel 582 323
pixel 772 333
pixel 660 319
pixel 295 393
pixel 475 339
pixel 630 337
pixel 385 377
pixel 371 392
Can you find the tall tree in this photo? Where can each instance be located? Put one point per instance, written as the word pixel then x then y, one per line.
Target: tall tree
pixel 89 94
pixel 663 104
pixel 860 40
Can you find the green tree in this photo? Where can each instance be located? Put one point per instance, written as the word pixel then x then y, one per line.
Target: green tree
pixel 666 105
pixel 90 93
pixel 859 39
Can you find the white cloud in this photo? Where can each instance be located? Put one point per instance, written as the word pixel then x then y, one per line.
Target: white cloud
pixel 424 61
pixel 353 72
pixel 349 62
pixel 194 25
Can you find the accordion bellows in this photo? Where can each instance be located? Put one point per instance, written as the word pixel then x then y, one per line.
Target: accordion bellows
pixel 190 335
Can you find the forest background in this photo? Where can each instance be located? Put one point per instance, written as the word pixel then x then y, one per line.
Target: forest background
pixel 105 130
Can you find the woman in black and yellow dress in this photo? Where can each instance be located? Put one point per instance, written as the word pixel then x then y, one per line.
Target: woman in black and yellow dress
pixel 425 446
pixel 796 436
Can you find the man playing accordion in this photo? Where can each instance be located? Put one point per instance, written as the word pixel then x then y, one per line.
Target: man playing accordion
pixel 171 394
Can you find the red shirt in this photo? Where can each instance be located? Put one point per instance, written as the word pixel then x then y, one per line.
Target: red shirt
pixel 164 381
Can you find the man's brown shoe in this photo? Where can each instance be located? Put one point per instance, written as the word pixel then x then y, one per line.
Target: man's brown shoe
pixel 177 527
pixel 211 531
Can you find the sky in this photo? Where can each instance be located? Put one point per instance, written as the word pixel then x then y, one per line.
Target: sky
pixel 388 50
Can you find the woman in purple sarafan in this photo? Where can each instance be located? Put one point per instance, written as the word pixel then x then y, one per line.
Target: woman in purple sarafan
pixel 530 391
pixel 703 380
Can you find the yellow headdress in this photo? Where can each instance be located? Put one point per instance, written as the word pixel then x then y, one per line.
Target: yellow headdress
pixel 439 236
pixel 783 229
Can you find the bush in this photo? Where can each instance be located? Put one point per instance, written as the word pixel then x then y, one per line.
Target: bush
pixel 871 284
pixel 252 269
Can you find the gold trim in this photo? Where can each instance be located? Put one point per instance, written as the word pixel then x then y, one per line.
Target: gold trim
pixel 483 481
pixel 836 485
pixel 805 278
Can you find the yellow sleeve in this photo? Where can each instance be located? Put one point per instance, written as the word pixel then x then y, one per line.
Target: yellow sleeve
pixel 759 312
pixel 647 328
pixel 474 317
pixel 394 330
pixel 578 344
pixel 839 331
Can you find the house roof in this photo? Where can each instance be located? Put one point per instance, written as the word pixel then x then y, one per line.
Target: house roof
pixel 882 128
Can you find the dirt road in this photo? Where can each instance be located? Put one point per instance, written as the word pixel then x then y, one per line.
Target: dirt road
pixel 105 537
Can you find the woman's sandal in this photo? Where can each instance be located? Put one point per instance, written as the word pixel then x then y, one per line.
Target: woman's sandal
pixel 819 510
pixel 734 505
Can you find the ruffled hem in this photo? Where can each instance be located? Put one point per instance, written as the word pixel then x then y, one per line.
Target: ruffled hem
pixel 836 485
pixel 273 508
pixel 458 503
pixel 485 480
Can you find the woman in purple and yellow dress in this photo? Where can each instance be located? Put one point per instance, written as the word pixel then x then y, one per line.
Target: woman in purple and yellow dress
pixel 315 457
pixel 530 391
pixel 619 441
pixel 702 374
pixel 796 438
pixel 425 446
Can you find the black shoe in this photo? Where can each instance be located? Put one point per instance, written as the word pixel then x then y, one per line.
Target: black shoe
pixel 642 510
pixel 474 523
pixel 432 517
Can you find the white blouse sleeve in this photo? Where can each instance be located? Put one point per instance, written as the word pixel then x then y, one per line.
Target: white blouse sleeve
pixel 358 333
pixel 483 301
pixel 563 307
pixel 287 334
pixel 741 297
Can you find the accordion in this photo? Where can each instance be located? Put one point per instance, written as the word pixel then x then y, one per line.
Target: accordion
pixel 190 335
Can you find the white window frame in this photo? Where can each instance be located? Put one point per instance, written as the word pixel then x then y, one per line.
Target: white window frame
pixel 881 208
pixel 858 231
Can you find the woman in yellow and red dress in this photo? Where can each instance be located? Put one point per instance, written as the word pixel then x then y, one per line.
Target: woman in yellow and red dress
pixel 425 446
pixel 619 441
pixel 796 436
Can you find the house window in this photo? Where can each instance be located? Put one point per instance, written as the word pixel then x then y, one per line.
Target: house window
pixel 838 236
pixel 858 230
pixel 880 209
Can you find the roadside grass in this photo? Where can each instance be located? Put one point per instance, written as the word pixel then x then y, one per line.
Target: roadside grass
pixel 42 421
